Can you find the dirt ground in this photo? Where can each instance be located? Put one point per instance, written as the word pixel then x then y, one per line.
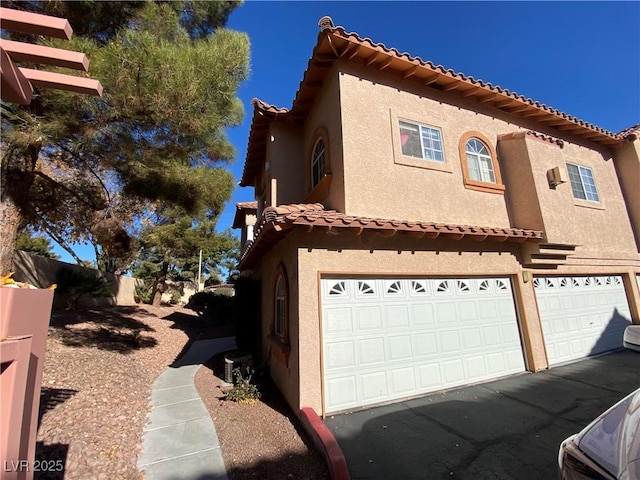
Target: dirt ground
pixel 99 367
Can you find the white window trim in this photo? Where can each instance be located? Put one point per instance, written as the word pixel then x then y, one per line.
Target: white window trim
pixel 400 159
pixel 581 169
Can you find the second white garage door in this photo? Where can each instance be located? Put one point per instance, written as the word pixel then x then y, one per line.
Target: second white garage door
pixel 387 339
pixel 581 316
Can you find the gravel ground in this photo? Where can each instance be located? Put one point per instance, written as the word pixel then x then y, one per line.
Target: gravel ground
pixel 260 441
pixel 98 371
pixel 99 368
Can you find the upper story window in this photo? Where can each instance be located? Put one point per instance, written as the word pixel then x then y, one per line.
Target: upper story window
pixel 421 141
pixel 583 185
pixel 479 162
pixel 318 162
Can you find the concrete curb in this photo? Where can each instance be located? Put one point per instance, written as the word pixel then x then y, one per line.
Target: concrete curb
pixel 326 443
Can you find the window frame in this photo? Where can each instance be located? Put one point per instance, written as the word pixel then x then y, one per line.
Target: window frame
pixel 280 307
pixel 320 191
pixel 313 161
pixel 496 187
pixel 583 185
pixel 280 343
pixel 421 127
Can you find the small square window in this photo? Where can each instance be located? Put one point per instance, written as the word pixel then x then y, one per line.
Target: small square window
pixel 421 141
pixel 583 185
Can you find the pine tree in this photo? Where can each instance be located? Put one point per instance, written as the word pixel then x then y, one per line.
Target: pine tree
pixel 73 164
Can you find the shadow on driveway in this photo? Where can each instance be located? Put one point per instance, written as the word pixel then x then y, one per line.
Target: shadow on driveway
pixel 505 429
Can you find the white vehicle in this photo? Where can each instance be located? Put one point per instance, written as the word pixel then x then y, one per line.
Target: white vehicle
pixel 608 448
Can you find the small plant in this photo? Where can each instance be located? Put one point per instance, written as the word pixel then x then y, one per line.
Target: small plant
pixel 142 294
pixel 76 283
pixel 244 392
pixel 176 296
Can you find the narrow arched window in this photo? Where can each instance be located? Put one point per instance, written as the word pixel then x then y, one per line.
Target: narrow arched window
pixel 317 162
pixel 280 307
pixel 479 161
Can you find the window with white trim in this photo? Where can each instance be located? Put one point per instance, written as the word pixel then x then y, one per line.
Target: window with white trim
pixel 479 161
pixel 421 141
pixel 583 185
pixel 317 162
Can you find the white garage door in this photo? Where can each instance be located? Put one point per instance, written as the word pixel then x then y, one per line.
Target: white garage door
pixel 387 339
pixel 581 316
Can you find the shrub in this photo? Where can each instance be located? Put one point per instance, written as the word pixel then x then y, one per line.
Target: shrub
pixel 176 296
pixel 244 392
pixel 213 306
pixel 142 294
pixel 76 284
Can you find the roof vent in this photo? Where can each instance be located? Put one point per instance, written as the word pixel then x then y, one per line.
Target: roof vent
pixel 325 23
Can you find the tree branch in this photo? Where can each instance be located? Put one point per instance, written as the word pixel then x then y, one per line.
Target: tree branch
pixel 87 202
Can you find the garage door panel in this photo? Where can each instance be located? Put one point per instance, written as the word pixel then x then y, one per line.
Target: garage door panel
pixel 581 316
pixel 416 336
pixel 371 352
pixel 426 344
pixel 422 314
pixel 402 381
pixel 374 385
pixel 369 318
pixel 338 320
pixel 396 316
pixel 429 376
pixel 475 367
pixel 399 348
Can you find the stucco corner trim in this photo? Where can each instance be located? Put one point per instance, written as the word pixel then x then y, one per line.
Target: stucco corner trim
pixel 326 443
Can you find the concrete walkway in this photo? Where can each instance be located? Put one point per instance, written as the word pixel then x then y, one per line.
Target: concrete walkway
pixel 180 440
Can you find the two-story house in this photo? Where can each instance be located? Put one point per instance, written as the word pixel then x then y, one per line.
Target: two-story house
pixel 418 230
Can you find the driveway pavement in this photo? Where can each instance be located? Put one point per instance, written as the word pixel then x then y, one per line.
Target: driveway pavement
pixel 506 429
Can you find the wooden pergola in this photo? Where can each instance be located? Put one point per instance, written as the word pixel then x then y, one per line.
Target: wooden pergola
pixel 18 82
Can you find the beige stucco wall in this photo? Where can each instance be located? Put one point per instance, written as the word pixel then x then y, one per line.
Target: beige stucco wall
pixel 284 376
pixel 41 272
pixel 564 219
pixel 627 161
pixel 379 184
pixel 284 155
pixel 289 151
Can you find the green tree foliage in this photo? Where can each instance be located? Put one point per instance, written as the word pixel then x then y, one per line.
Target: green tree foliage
pixel 82 168
pixel 74 284
pixel 36 244
pixel 170 247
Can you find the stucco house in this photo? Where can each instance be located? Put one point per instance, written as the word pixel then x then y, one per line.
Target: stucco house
pixel 417 230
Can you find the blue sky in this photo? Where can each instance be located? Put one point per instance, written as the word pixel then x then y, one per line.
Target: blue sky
pixel 582 58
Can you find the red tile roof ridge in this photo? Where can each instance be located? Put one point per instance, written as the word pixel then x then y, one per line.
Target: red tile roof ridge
pixel 247 205
pixel 382 47
pixel 630 133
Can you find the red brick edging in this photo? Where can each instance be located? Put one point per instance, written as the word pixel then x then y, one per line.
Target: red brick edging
pixel 325 442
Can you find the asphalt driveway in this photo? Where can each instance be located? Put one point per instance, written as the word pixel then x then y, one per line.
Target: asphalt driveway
pixel 507 429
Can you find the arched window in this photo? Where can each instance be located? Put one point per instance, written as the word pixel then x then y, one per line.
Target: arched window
pixel 479 161
pixel 318 162
pixel 280 307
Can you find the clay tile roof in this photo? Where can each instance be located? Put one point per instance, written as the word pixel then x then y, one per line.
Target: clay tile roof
pixel 335 43
pixel 277 221
pixel 247 205
pixel 630 133
pixel 243 208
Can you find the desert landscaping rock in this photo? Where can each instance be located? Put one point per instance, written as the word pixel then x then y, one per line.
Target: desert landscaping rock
pixel 99 368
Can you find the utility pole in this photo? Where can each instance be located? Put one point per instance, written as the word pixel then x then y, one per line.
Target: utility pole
pixel 199 271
